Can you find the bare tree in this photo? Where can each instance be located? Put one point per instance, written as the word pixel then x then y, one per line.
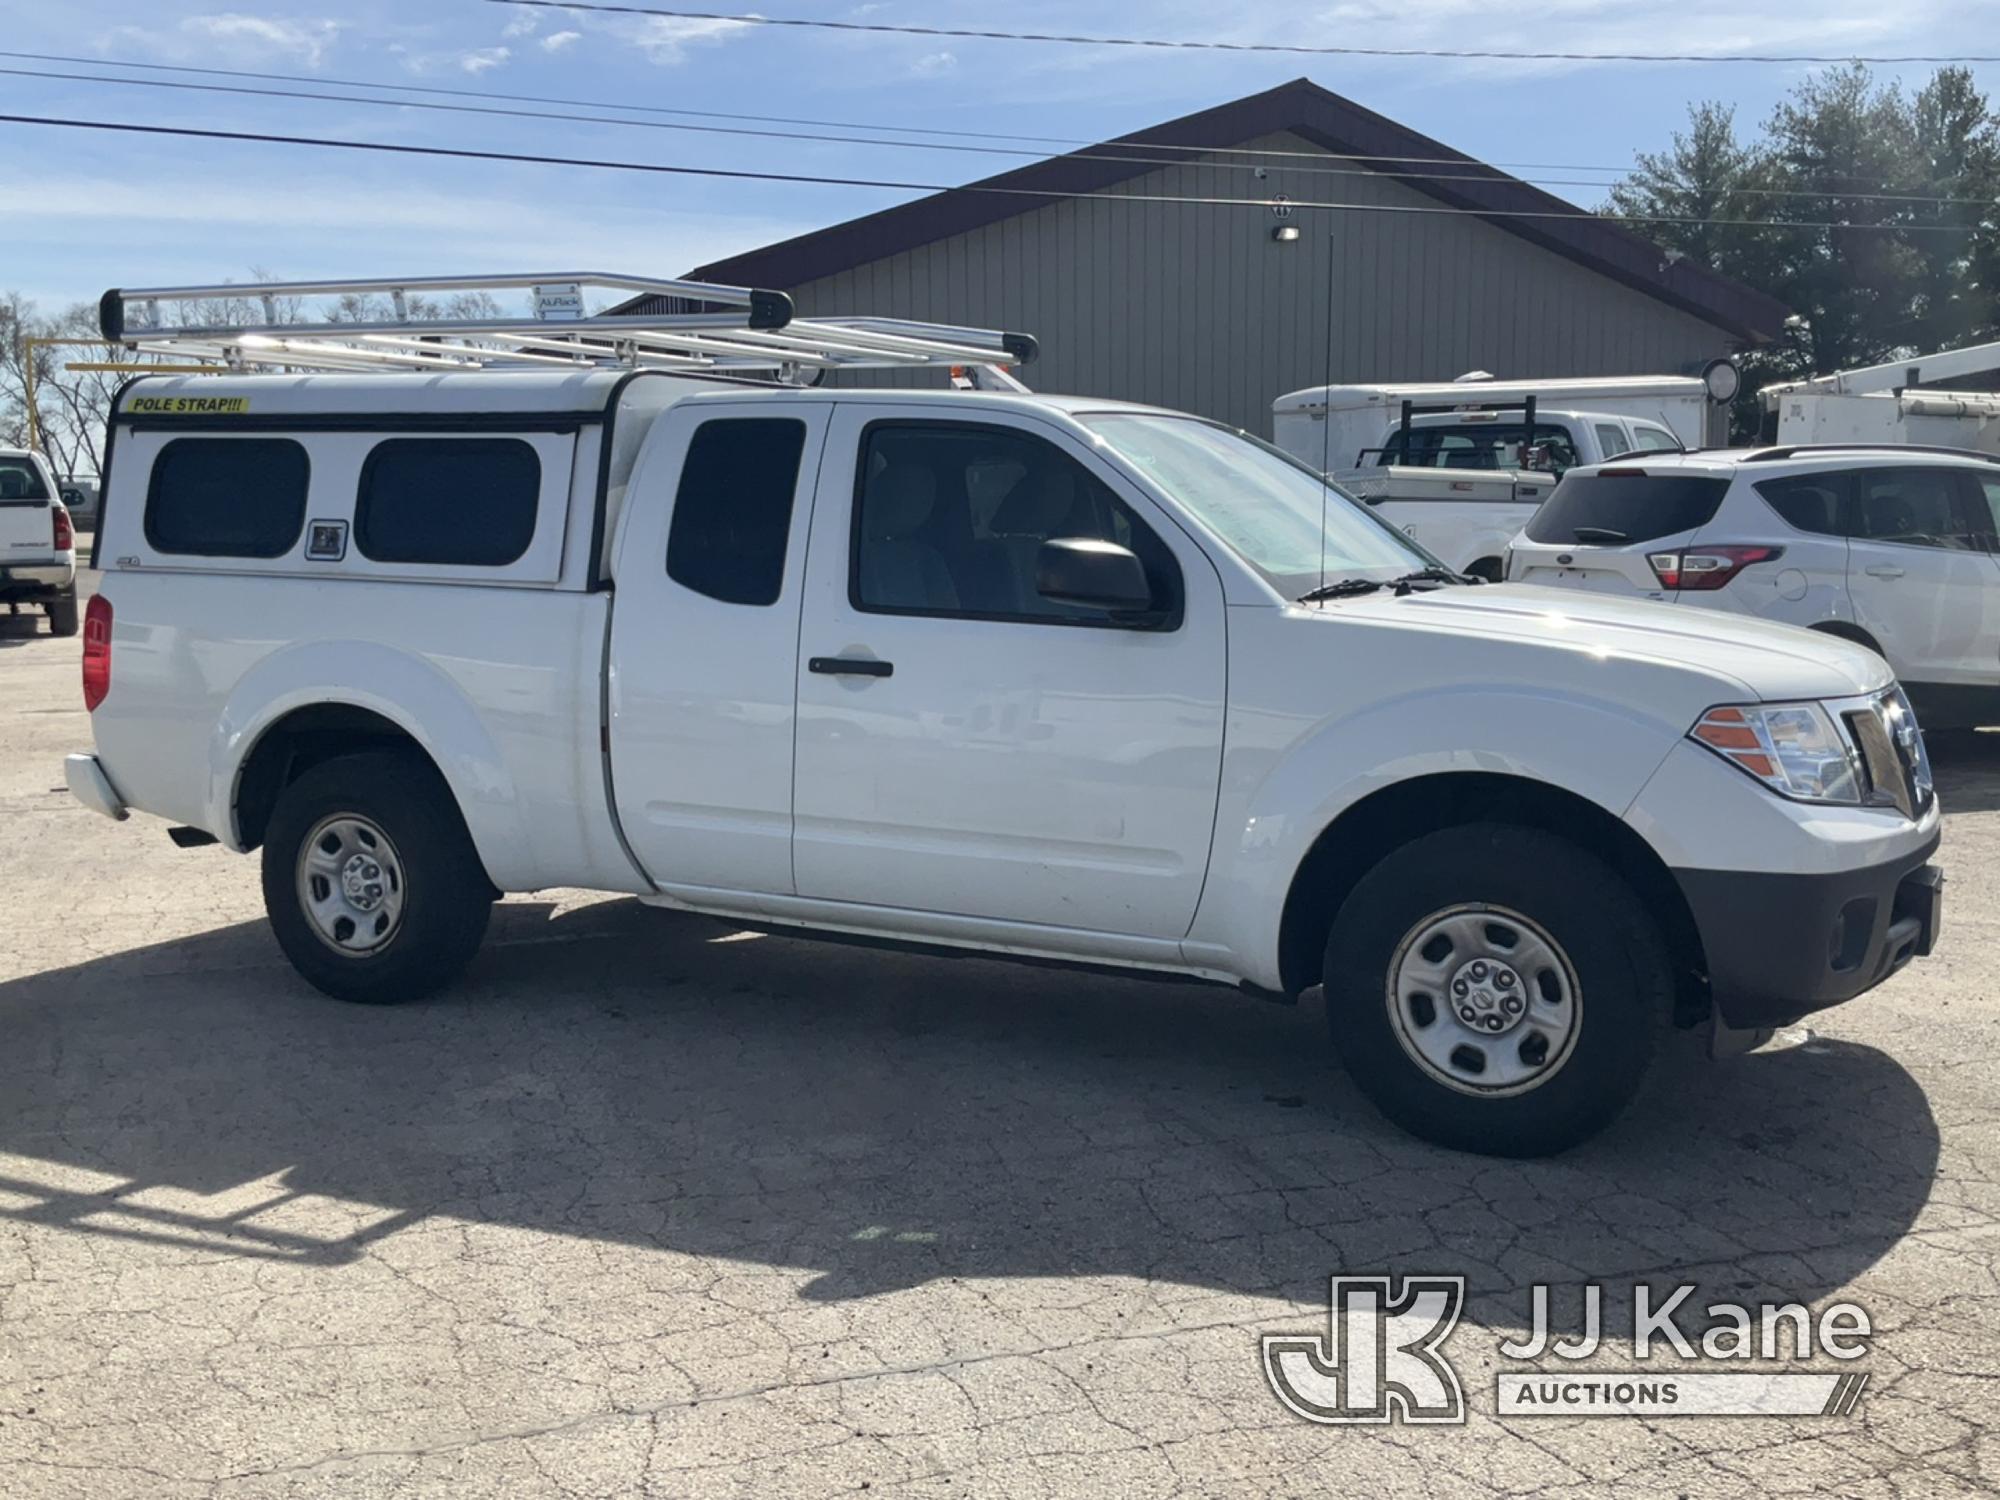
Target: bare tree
pixel 72 405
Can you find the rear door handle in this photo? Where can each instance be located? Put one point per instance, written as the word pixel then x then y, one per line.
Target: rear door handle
pixel 1884 570
pixel 850 666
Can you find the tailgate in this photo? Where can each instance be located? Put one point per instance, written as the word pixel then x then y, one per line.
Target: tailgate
pixel 27 528
pixel 1599 528
pixel 1603 570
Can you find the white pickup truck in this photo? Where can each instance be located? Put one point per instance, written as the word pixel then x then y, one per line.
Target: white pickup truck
pixel 37 541
pixel 1043 677
pixel 1461 480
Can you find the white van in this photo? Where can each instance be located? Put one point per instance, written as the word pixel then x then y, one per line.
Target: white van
pixel 1038 677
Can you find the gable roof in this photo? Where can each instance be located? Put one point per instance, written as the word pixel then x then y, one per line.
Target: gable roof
pixel 1327 120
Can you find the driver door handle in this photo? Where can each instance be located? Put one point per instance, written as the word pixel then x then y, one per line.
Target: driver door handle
pixel 849 666
pixel 1884 570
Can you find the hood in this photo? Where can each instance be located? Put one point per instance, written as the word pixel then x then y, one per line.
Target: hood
pixel 1772 662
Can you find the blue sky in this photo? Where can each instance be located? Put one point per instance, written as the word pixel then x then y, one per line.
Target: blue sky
pixel 103 210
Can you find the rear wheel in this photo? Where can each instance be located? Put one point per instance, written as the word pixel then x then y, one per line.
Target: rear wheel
pixel 1496 989
pixel 371 882
pixel 62 615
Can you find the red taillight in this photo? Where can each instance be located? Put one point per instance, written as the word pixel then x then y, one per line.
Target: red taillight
pixel 96 651
pixel 65 536
pixel 1701 568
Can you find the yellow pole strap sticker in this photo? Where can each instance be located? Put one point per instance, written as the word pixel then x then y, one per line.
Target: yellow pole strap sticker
pixel 197 406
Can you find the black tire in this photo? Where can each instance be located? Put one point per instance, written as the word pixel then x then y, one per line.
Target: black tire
pixel 446 897
pixel 1624 987
pixel 1489 568
pixel 62 615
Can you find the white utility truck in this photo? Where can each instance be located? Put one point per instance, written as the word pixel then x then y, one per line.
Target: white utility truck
pixel 605 604
pixel 37 541
pixel 1885 406
pixel 1462 465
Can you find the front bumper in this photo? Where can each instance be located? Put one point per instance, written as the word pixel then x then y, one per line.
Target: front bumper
pixel 1782 946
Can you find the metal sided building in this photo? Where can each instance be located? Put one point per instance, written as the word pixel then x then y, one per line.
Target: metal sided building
pixel 1146 293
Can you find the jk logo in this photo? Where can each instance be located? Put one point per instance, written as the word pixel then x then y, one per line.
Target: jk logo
pixel 1379 1358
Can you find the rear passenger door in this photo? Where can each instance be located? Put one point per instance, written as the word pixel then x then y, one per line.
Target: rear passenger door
pixel 704 642
pixel 1919 574
pixel 968 747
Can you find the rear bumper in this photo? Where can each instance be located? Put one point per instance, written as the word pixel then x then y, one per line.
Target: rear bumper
pixel 36 580
pixel 90 786
pixel 1782 946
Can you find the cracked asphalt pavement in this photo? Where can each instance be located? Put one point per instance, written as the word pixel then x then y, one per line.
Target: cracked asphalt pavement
pixel 648 1206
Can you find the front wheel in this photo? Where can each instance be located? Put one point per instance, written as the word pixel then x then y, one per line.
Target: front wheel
pixel 371 882
pixel 1496 989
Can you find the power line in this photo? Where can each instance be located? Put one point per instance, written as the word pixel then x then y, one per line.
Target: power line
pixel 713 114
pixel 1295 48
pixel 1113 151
pixel 462 153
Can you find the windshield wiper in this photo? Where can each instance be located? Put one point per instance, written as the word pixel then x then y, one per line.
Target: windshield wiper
pixel 1343 589
pixel 1598 534
pixel 1348 587
pixel 1433 575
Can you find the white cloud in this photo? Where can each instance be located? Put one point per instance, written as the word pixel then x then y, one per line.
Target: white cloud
pixel 933 64
pixel 233 36
pixel 483 59
pixel 556 41
pixel 523 24
pixel 665 39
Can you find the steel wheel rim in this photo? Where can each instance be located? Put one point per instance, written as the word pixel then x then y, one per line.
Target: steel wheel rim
pixel 1459 1025
pixel 351 885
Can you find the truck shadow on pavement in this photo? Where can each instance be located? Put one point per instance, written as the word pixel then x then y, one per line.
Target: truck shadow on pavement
pixel 1967 766
pixel 883 1120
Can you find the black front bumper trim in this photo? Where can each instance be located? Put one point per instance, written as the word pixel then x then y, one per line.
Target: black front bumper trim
pixel 1782 946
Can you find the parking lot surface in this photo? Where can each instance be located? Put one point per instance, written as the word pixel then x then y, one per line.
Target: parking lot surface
pixel 651 1206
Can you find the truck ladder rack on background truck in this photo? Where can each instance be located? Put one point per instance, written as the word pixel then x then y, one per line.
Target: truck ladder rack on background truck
pixel 729 330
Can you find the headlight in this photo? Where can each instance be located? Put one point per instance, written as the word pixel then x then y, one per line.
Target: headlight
pixel 1795 749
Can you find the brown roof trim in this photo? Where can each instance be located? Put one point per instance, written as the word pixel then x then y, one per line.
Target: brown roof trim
pixel 1322 117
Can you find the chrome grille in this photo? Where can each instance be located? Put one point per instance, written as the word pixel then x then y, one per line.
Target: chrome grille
pixel 1892 753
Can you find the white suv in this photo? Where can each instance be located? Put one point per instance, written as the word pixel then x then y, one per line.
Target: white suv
pixel 1893 548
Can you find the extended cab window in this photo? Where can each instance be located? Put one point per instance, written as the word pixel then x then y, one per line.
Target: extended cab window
pixel 227 497
pixel 1616 506
pixel 1654 439
pixel 950 519
pixel 733 511
pixel 465 502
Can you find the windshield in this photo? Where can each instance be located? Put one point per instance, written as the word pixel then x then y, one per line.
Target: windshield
pixel 1616 507
pixel 1276 514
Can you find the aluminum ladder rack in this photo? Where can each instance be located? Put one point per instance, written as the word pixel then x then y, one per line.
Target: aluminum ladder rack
pixel 397 324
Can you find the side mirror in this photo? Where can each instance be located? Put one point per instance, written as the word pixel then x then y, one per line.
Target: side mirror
pixel 1100 575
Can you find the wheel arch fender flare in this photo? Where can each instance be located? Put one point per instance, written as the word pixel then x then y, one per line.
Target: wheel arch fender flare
pixel 1594 751
pixel 410 693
